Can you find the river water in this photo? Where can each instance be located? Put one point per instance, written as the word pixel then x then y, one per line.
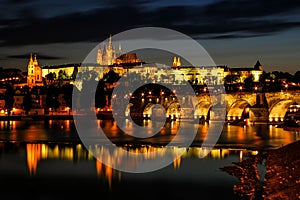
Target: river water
pixel 47 160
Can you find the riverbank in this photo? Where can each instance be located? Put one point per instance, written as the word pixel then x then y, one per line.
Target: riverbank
pixel 269 175
pixel 35 117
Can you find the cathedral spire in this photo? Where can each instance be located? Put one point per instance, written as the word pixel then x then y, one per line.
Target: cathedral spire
pixel 178 62
pixel 110 42
pixel 30 59
pixel 120 49
pixel 99 55
pixel 35 61
pixel 174 62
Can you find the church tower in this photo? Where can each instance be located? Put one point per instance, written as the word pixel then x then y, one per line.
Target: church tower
pixel 99 56
pixel 34 72
pixel 176 62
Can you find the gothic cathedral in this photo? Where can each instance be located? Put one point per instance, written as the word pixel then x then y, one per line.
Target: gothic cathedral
pixel 108 55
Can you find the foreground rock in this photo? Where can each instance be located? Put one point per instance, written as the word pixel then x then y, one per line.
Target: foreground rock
pixel 281 179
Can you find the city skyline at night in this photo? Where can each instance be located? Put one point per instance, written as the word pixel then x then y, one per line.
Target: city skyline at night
pixel 149 99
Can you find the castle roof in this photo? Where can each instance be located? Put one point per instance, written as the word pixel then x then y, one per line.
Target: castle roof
pixel 257 64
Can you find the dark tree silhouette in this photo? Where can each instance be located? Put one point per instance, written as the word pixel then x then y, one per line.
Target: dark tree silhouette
pixel 51 76
pixel 9 98
pixel 111 76
pixel 67 90
pixel 27 102
pixel 297 77
pixel 248 83
pixel 100 99
pixel 231 79
pixel 52 97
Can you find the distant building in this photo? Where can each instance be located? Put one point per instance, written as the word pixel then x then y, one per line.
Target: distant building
pixel 128 58
pixel 245 72
pixel 34 76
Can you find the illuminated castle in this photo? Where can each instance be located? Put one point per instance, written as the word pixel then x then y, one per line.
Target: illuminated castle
pixel 107 55
pixel 34 76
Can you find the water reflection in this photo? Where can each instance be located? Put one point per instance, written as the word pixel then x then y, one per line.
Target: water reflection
pixel 51 147
pixel 40 152
pixel 259 136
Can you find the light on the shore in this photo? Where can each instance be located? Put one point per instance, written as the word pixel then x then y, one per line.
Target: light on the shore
pixel 241 155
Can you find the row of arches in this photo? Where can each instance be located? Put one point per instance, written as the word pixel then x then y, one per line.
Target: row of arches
pixel 239 110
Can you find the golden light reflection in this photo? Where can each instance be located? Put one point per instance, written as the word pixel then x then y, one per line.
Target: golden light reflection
pixel 176 163
pixel 240 134
pixel 13 125
pixel 174 127
pixel 32 157
pixel 216 153
pixel 2 125
pixel 68 125
pixel 50 123
pixel 106 171
pixel 37 152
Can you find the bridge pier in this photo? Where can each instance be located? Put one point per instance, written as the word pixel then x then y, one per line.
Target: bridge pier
pixel 259 115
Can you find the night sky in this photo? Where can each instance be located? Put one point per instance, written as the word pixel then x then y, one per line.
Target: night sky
pixel 236 33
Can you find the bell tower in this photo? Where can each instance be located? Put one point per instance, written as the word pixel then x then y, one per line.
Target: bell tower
pixel 34 72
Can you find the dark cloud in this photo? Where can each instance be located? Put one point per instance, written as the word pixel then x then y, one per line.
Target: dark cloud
pixel 40 56
pixel 250 8
pixel 222 19
pixel 230 36
pixel 18 1
pixel 121 3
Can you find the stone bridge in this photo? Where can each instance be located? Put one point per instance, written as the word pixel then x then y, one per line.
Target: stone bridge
pixel 264 107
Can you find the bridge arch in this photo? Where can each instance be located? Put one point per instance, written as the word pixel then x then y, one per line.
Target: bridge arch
pixel 147 112
pixel 202 110
pixel 238 110
pixel 279 109
pixel 173 110
pixel 127 111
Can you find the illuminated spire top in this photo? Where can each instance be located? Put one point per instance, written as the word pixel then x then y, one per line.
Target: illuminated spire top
pixel 174 62
pixel 35 62
pixel 120 49
pixel 110 42
pixel 178 62
pixel 30 60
